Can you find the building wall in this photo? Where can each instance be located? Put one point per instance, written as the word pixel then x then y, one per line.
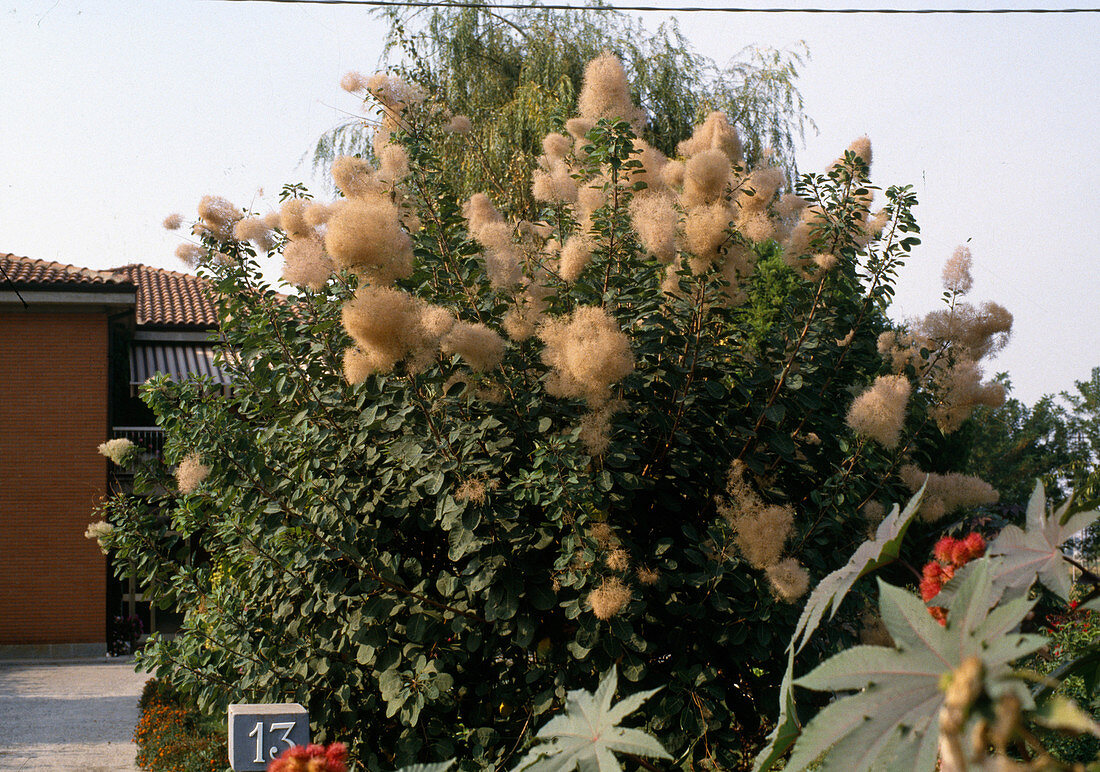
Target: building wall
pixel 53 415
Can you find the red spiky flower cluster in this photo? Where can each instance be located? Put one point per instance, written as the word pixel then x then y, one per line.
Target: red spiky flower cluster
pixel 312 758
pixel 949 556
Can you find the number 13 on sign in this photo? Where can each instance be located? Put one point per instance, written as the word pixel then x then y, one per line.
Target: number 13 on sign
pixel 258 732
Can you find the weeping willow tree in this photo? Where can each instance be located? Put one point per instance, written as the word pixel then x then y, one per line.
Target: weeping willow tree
pixel 516 77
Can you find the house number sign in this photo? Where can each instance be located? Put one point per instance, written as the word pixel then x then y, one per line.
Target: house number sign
pixel 260 733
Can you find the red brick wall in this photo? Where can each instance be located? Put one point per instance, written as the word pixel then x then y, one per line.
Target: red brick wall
pixel 53 415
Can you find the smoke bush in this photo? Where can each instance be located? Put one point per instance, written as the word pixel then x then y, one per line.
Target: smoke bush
pixel 426 530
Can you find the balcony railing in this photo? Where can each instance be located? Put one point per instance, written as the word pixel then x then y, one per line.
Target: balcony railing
pixel 148 438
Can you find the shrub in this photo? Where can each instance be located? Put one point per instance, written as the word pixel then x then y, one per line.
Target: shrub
pixel 473 462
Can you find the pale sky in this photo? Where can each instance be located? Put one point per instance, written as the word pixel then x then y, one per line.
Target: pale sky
pixel 114 114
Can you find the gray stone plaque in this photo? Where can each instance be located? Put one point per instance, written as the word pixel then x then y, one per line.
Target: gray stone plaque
pixel 260 733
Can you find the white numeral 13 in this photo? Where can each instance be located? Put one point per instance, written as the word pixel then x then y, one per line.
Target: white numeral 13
pixel 258 733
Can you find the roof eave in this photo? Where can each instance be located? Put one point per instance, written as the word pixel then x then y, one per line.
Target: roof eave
pixel 42 298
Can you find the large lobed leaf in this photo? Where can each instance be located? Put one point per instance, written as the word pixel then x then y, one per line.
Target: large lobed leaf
pixel 1036 553
pixel 891 722
pixel 827 597
pixel 586 735
pixel 1026 555
pixel 870 555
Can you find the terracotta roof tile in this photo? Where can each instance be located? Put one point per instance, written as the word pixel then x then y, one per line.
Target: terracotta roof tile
pixel 164 298
pixel 170 299
pixel 27 272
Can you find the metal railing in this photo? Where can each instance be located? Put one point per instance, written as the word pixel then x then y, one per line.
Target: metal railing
pixel 148 438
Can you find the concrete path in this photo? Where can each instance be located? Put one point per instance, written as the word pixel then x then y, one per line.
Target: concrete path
pixel 68 715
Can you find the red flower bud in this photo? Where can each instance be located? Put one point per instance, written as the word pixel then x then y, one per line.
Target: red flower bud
pixel 944 549
pixel 929 589
pixel 975 544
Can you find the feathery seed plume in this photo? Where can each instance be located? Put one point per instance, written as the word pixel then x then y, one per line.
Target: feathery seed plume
pixel 436 321
pixel 603 534
pixel 554 185
pixel 358 365
pixel 355 177
pixel 873 511
pixel 648 576
pixel 790 206
pixel 653 163
pixel 190 473
pixel 556 146
pixel 99 531
pixel 353 82
pixel 118 450
pixel 706 229
pixel 587 353
pixel 737 268
pixel 705 177
pixel 575 257
pixel 488 228
pixel 618 560
pixel 218 216
pixel 292 220
pixel 459 124
pixel 658 224
pixel 945 494
pixel 873 228
pixel 305 263
pixel 789 580
pixel 190 254
pixel 394 92
pixel 879 412
pixel 756 226
pixel 760 530
pixel 766 182
pixel 595 433
pixel 673 174
pixel 317 214
pixel 366 236
pixel 481 347
pixel 961 390
pixel 384 322
pixel 521 321
pixel 393 163
pixel 578 128
pixel 471 489
pixel 861 146
pixel 887 341
pixel 255 230
pixel 173 221
pixel 956 272
pixel 609 598
pixel 714 133
pixel 605 92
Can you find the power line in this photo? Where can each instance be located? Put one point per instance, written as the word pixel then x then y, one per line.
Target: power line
pixel 674 9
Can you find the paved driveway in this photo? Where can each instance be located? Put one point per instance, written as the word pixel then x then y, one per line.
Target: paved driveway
pixel 72 715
